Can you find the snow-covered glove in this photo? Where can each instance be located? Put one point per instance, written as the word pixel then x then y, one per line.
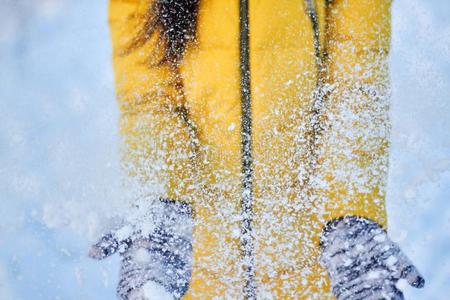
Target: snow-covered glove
pixel 155 265
pixel 363 262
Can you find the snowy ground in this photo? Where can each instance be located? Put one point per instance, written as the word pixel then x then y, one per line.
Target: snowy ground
pixel 59 168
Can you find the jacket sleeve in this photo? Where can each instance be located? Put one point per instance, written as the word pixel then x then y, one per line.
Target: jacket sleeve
pixel 157 147
pixel 354 156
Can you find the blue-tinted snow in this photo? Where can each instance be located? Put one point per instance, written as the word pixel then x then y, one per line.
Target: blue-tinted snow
pixel 59 173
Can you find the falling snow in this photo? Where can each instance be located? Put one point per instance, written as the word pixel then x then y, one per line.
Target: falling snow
pixel 60 177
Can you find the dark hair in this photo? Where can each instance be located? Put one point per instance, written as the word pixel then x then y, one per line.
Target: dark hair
pixel 176 23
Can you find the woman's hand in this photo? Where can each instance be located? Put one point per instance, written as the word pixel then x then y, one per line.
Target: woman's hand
pixel 156 264
pixel 362 261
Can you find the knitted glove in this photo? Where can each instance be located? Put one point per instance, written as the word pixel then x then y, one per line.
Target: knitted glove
pixel 162 257
pixel 362 261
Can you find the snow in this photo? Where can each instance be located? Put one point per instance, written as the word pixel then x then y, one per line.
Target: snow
pixel 142 256
pixel 374 275
pixel 59 171
pixel 155 291
pixel 391 260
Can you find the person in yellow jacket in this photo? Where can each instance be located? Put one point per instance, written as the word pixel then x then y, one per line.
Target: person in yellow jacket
pixel 256 141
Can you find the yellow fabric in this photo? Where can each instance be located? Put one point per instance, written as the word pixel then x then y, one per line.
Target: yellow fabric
pixel 352 152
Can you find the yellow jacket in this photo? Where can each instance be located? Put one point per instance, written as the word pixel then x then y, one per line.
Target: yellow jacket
pixel 319 133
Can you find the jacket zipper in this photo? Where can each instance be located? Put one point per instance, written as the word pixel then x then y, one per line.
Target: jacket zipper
pixel 316 125
pixel 247 240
